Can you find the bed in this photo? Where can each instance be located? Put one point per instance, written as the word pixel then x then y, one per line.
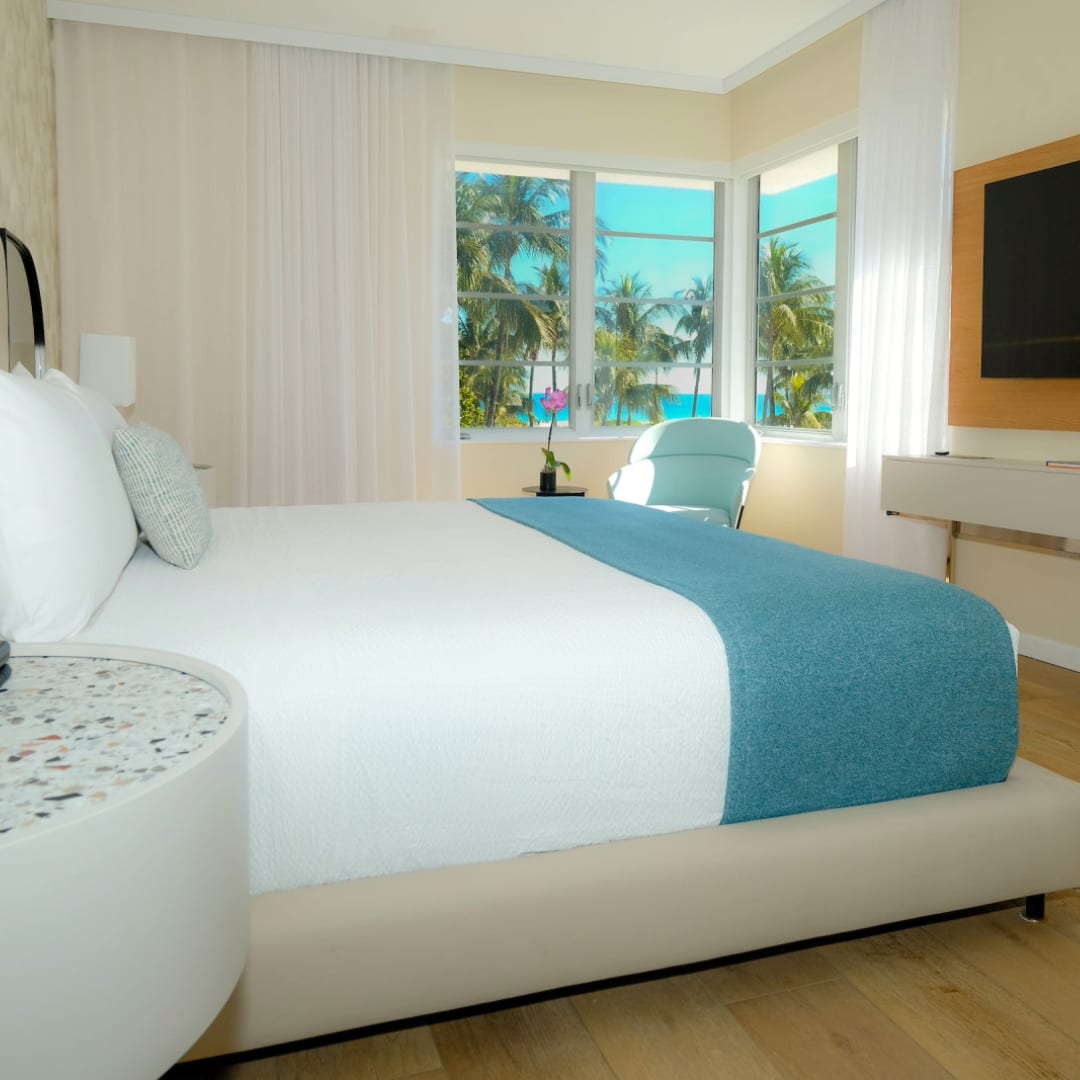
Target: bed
pixel 490 757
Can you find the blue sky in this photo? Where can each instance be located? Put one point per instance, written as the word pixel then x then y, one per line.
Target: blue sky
pixel 670 266
pixel 816 242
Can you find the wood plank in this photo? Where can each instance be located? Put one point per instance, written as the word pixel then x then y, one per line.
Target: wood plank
pixel 1034 961
pixel 1058 714
pixel 768 975
pixel 676 1029
pixel 546 1041
pixel 262 1069
pixel 1050 717
pixel 1063 913
pixel 1034 750
pixel 967 1022
pixel 1050 754
pixel 1039 679
pixel 1050 734
pixel 1052 676
pixel 393 1056
pixel 831 1031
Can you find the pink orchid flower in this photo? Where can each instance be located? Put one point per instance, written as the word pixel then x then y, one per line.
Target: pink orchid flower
pixel 554 400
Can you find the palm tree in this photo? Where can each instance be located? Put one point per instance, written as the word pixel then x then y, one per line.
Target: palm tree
pixel 552 321
pixel 804 396
pixel 633 345
pixel 473 263
pixel 696 324
pixel 797 324
pixel 517 201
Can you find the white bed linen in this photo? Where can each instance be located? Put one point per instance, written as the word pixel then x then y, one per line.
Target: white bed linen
pixel 431 684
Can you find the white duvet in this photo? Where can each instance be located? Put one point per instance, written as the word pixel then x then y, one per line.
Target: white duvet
pixel 432 684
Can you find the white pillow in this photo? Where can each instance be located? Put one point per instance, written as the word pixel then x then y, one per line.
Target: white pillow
pixel 66 528
pixel 97 405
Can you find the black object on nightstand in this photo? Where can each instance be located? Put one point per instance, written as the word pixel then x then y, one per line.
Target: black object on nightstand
pixel 534 489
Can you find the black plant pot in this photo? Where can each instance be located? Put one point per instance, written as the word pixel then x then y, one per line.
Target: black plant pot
pixel 547 481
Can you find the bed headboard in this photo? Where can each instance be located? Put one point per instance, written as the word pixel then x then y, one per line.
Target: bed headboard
pixel 25 337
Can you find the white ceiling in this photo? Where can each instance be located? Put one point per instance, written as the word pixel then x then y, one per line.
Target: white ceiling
pixel 705 45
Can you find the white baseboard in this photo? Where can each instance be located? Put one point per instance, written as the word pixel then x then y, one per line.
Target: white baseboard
pixel 1052 652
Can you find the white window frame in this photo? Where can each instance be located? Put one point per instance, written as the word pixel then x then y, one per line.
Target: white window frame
pixel 582 277
pixel 841 133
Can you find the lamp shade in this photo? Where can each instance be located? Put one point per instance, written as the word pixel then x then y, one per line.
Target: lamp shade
pixel 107 365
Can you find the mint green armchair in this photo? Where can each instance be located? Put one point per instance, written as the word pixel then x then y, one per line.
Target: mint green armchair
pixel 699 467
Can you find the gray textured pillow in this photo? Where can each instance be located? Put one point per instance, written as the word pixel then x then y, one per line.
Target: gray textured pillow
pixel 164 493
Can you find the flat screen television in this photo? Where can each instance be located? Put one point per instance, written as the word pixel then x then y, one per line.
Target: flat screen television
pixel 1031 276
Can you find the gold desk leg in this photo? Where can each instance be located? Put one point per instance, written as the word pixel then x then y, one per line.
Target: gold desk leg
pixel 950 558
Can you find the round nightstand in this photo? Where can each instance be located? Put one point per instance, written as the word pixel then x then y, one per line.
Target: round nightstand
pixel 123 858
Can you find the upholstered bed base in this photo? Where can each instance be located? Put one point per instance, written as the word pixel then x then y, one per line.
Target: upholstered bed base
pixel 343 956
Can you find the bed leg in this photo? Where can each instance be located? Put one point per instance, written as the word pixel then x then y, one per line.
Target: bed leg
pixel 1034 908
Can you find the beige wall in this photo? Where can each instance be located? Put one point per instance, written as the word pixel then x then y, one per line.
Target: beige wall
pixel 28 148
pixel 1018 76
pixel 798 495
pixel 590 118
pixel 816 85
pixel 1018 89
pixel 503 469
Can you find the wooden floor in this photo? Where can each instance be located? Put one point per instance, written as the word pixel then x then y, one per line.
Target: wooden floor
pixel 985 996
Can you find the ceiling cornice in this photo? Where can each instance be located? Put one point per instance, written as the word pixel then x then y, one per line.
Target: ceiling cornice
pixel 136 18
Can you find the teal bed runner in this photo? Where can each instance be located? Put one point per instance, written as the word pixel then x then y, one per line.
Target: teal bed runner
pixel 850 682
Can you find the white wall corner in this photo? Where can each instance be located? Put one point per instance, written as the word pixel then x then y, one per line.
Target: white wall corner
pixel 1051 652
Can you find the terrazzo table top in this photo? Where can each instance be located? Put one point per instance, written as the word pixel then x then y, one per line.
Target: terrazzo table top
pixel 77 732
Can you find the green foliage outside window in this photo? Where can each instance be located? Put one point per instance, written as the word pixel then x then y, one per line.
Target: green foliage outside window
pixel 513 313
pixel 798 325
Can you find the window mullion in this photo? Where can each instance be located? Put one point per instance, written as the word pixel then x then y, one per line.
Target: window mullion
pixel 845 229
pixel 719 400
pixel 753 222
pixel 582 297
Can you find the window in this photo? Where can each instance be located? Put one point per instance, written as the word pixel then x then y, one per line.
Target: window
pixel 655 256
pixel 513 257
pixel 597 282
pixel 801 290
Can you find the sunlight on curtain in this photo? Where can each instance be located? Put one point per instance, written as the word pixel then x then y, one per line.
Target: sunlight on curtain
pixel 352 157
pixel 898 371
pixel 275 227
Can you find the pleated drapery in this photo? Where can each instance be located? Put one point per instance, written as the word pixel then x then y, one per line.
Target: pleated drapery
pixel 898 368
pixel 274 225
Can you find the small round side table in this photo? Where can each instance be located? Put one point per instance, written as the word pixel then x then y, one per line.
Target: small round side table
pixel 534 489
pixel 123 858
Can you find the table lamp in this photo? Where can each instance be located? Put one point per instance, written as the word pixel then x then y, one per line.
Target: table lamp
pixel 107 365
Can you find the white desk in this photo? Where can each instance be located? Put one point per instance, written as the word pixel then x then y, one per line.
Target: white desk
pixel 1023 496
pixel 123 859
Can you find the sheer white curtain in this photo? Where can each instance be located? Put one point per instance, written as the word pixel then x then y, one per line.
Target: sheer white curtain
pixel 275 227
pixel 352 238
pixel 898 372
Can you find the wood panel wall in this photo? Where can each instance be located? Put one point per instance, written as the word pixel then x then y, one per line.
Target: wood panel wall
pixel 1033 404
